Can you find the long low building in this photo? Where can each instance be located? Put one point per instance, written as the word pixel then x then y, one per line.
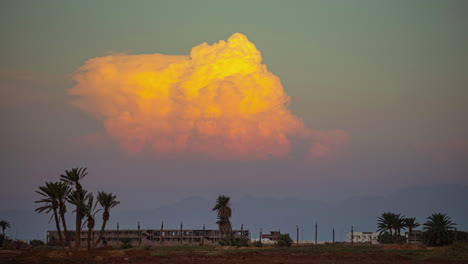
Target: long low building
pixel 169 237
pixel 363 237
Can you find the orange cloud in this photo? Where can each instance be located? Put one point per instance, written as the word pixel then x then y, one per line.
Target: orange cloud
pixel 219 102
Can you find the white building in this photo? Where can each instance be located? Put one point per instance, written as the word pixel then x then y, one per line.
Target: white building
pixel 363 237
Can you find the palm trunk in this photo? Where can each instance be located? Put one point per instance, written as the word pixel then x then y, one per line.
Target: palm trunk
pixel 89 241
pixel 65 230
pixel 78 220
pixel 90 231
pixel 391 235
pixel 410 235
pixel 101 234
pixel 57 224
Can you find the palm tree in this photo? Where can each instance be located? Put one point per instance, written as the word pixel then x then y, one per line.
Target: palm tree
pixel 224 211
pixel 107 201
pixel 439 230
pixel 385 223
pixel 398 223
pixel 49 194
pixel 4 225
pixel 224 225
pixel 73 178
pixel 411 224
pixel 62 193
pixel 88 208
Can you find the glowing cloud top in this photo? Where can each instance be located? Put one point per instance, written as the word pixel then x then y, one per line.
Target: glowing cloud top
pixel 219 102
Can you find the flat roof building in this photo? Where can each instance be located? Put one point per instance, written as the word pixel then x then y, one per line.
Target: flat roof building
pixel 363 237
pixel 273 236
pixel 166 237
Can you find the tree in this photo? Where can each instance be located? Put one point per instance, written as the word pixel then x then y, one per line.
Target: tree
pixel 62 192
pixel 224 211
pixel 392 223
pixel 398 223
pixel 439 230
pixel 385 238
pixel 88 208
pixel 4 225
pixel 107 201
pixel 51 204
pixel 411 224
pixel 284 240
pixel 73 178
pixel 385 223
pixel 36 243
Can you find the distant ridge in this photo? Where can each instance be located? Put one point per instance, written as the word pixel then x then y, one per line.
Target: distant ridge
pixel 280 214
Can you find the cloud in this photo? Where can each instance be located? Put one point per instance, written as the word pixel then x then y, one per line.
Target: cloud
pixel 219 102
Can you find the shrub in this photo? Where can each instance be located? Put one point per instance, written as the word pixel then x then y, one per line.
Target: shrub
pixel 458 250
pixel 126 243
pixel 36 243
pixel 385 238
pixel 284 241
pixel 236 242
pixel 256 244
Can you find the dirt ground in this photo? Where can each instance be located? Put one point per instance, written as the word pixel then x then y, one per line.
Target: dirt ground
pixel 224 256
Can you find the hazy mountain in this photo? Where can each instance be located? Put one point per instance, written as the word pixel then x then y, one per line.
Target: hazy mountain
pixel 283 214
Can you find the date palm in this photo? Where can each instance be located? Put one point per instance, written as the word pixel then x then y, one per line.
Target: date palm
pixel 51 204
pixel 224 211
pixel 398 223
pixel 87 206
pixel 411 224
pixel 107 201
pixel 73 178
pixel 4 225
pixel 62 191
pixel 439 230
pixel 385 223
pixel 392 223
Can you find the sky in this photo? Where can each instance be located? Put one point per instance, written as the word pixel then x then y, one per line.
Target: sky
pixel 320 100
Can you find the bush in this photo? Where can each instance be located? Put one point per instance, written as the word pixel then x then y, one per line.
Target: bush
pixel 126 243
pixel 240 242
pixel 236 242
pixel 461 236
pixel 36 243
pixel 284 241
pixel 257 244
pixel 458 250
pixel 386 238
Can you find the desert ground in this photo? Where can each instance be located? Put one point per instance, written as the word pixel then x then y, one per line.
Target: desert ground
pixel 228 255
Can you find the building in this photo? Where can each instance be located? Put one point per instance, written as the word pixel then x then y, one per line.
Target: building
pixel 416 236
pixel 166 237
pixel 363 237
pixel 273 236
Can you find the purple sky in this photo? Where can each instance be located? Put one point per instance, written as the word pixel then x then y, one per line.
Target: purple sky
pixel 391 76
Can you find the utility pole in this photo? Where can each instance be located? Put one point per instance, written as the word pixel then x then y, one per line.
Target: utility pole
pixel 161 233
pixel 118 234
pixel 333 235
pixel 139 234
pixel 352 235
pixel 203 237
pixel 242 230
pixel 315 233
pixel 181 232
pixel 260 239
pixel 297 235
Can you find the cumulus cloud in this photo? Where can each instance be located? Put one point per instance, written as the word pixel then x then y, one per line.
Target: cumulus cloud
pixel 219 102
